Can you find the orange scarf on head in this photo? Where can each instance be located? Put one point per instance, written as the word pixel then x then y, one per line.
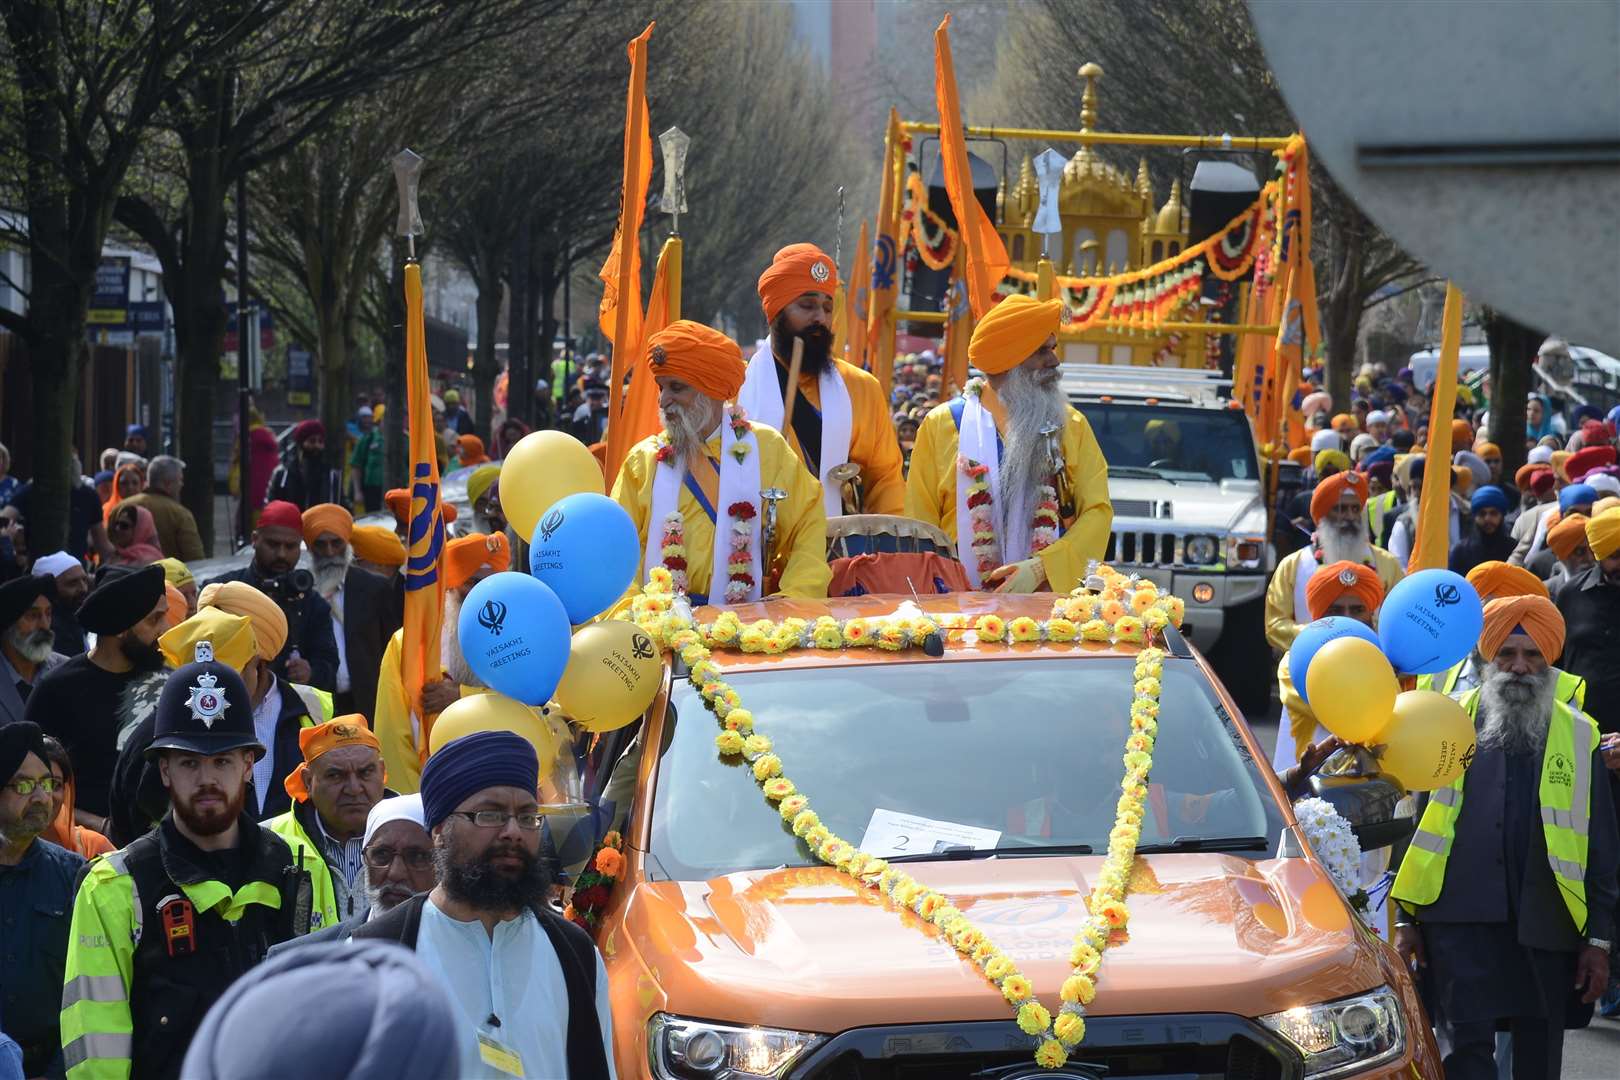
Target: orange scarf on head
pixel 76 838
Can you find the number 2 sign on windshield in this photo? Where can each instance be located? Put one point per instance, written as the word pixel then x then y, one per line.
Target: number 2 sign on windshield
pixel 892 833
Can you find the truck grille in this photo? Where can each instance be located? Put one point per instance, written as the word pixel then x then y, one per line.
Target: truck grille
pixel 1204 1047
pixel 1137 548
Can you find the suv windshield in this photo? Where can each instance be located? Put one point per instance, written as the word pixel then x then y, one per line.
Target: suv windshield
pixel 1176 443
pixel 1029 750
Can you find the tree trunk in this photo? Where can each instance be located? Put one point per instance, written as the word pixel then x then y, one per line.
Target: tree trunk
pixel 519 383
pixel 485 368
pixel 546 296
pixel 1341 314
pixel 539 349
pixel 1512 344
pixel 199 328
pixel 334 383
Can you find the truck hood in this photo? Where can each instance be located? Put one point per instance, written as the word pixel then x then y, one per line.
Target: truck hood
pixel 1194 506
pixel 809 949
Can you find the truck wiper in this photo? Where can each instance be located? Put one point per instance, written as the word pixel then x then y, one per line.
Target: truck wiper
pixel 1045 849
pixel 1207 843
pixel 950 854
pixel 1139 472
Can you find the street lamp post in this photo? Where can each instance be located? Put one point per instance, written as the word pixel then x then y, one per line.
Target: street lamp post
pixel 243 323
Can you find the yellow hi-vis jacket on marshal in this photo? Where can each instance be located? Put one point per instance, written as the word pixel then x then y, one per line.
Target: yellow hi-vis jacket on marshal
pixel 1566 804
pixel 1570 688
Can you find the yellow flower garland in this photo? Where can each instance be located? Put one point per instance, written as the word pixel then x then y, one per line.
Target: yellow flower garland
pixel 1096 612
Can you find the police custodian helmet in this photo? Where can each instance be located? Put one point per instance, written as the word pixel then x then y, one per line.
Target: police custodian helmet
pixel 205 708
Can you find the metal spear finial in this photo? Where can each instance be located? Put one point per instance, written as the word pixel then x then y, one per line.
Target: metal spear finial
pixel 407 174
pixel 1048 166
pixel 674 144
pixel 838 244
pixel 770 496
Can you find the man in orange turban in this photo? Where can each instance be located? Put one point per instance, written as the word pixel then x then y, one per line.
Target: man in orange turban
pixel 1495 579
pixel 1343 534
pixel 1493 932
pixel 467 561
pixel 1010 470
pixel 398 501
pixel 378 549
pixel 1347 590
pixel 696 490
pixel 366 609
pixel 839 415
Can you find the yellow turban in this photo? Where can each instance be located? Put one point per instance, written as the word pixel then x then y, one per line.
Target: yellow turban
pixel 375 544
pixel 178 607
pixel 481 480
pixel 1566 534
pixel 1603 532
pixel 1605 504
pixel 1011 331
pixel 176 573
pixel 230 635
pixel 335 734
pixel 240 598
pixel 327 518
pixel 1329 459
pixel 1495 579
pixel 1535 615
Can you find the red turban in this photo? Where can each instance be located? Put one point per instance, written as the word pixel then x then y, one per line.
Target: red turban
pixel 327 518
pixel 1535 615
pixel 1011 331
pixel 1334 580
pixel 1526 473
pixel 281 514
pixel 698 355
pixel 797 269
pixel 1542 480
pixel 467 555
pixel 1496 579
pixel 306 429
pixel 1327 493
pixel 1585 460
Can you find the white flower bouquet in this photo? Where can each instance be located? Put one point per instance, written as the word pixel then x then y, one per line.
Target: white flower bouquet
pixel 1334 842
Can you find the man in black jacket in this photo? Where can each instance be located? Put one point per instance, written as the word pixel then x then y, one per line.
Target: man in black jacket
pixel 303 478
pixel 366 609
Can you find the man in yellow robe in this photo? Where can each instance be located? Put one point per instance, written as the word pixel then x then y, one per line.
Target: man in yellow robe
pixel 707 467
pixel 1040 520
pixel 839 415
pixel 467 561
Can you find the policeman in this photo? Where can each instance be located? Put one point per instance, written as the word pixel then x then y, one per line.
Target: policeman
pixel 161 928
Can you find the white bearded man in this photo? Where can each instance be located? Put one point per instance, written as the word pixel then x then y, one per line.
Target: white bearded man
pixel 1342 535
pixel 1508 889
pixel 839 415
pixel 696 489
pixel 987 457
pixel 366 609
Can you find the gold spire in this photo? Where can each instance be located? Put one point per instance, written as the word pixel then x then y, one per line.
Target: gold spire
pixel 1144 183
pixel 1091 72
pixel 1027 193
pixel 1170 215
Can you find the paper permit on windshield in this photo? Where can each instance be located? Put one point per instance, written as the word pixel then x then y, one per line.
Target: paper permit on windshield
pixel 892 833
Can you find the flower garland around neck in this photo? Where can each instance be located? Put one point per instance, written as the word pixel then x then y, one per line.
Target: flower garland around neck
pixel 740 551
pixel 986 548
pixel 1108 607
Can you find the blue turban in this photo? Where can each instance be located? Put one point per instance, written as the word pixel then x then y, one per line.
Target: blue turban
pixel 1383 453
pixel 381 1016
pixel 1576 495
pixel 466 766
pixel 1489 496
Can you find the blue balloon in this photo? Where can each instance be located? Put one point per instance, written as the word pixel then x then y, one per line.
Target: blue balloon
pixel 515 636
pixel 1315 635
pixel 587 549
pixel 1429 622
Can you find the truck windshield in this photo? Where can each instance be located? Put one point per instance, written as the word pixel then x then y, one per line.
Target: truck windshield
pixel 1018 756
pixel 1176 443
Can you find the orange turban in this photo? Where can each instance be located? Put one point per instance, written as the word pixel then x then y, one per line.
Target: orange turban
pixel 327 518
pixel 1603 533
pixel 1462 434
pixel 1567 535
pixel 338 732
pixel 1488 450
pixel 1495 579
pixel 1560 463
pixel 1011 331
pixel 795 270
pixel 698 355
pixel 240 598
pixel 398 500
pixel 467 555
pixel 1327 493
pixel 1344 422
pixel 1300 455
pixel 1334 580
pixel 375 544
pixel 1525 474
pixel 1535 615
pixel 178 608
pixel 470 450
pixel 1605 504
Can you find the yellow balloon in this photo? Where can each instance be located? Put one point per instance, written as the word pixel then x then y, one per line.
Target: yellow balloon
pixel 543 467
pixel 1351 688
pixel 1429 741
pixel 497 712
pixel 614 672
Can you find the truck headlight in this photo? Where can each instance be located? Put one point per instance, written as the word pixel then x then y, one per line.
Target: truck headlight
pixel 1348 1035
pixel 682 1049
pixel 1202 550
pixel 1245 552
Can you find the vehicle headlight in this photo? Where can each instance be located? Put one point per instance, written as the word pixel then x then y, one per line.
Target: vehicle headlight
pixel 1348 1035
pixel 682 1049
pixel 1202 550
pixel 1245 552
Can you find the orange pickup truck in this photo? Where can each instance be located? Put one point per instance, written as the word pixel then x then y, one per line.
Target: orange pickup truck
pixel 991 774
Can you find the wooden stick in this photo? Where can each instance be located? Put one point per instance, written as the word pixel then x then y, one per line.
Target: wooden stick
pixel 792 384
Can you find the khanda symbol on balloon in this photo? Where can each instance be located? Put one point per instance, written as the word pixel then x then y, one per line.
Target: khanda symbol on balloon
pixel 550 524
pixel 641 646
pixel 492 615
pixel 1446 594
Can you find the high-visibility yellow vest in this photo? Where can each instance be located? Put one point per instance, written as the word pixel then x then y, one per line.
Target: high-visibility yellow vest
pixel 1566 806
pixel 1378 508
pixel 324 907
pixel 1570 688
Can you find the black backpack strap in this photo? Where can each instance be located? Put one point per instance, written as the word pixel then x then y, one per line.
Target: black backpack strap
pixel 587 1060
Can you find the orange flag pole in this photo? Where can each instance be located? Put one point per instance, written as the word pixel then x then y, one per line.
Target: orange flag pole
pixel 885 260
pixel 986 263
pixel 1433 541
pixel 640 418
pixel 859 299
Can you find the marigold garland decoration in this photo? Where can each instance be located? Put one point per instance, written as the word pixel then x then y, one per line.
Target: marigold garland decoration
pixel 593 888
pixel 1099 610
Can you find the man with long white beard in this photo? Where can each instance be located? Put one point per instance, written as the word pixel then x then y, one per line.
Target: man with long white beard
pixel 27 641
pixel 1014 460
pixel 162 927
pixel 467 561
pixel 839 415
pixel 1508 894
pixel 365 609
pixel 697 490
pixel 1338 508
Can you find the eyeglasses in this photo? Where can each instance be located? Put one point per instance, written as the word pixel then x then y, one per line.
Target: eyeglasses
pixel 47 784
pixel 497 819
pixel 381 858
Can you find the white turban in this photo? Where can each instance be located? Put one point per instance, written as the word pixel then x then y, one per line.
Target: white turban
pixel 1602 483
pixel 1326 439
pixel 397 808
pixel 1540 455
pixel 56 564
pixel 1377 416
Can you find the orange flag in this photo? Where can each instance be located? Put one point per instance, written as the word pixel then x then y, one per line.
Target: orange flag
pixel 1432 546
pixel 886 260
pixel 986 255
pixel 620 317
pixel 640 418
pixel 859 299
pixel 424 577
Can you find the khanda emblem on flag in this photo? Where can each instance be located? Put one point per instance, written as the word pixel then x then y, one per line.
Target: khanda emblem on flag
pixel 427 532
pixel 492 616
pixel 883 264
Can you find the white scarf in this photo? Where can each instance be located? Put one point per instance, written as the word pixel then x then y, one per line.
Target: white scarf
pixel 1302 577
pixel 976 440
pixel 739 482
pixel 761 399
